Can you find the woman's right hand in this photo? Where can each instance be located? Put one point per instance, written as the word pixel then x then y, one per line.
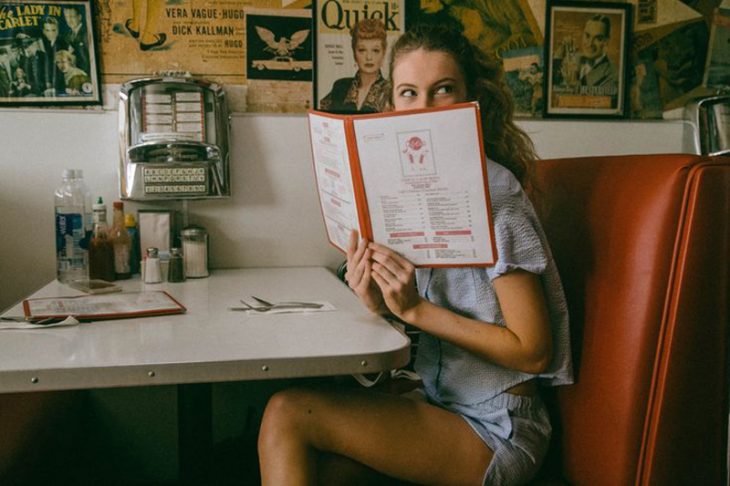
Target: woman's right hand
pixel 359 275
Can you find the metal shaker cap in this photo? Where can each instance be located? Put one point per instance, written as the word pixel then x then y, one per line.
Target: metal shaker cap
pixel 194 232
pixel 152 252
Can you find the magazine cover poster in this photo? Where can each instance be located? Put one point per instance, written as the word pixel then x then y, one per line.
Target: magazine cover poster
pixel 675 66
pixel 586 52
pixel 48 54
pixel 523 73
pixel 353 40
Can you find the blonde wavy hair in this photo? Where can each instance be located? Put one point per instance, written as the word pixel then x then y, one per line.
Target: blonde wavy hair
pixel 504 142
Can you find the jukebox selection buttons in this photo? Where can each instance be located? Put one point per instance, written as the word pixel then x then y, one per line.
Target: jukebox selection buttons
pixel 175 180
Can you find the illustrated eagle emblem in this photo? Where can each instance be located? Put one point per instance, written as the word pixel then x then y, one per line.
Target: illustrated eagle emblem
pixel 282 47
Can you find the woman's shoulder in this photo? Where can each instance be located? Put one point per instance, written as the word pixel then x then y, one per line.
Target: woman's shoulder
pixel 342 82
pixel 501 180
pixel 340 88
pixel 508 198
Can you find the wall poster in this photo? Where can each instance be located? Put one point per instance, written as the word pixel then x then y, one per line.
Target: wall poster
pixel 48 54
pixel 207 39
pixel 279 59
pixel 669 45
pixel 352 45
pixel 586 52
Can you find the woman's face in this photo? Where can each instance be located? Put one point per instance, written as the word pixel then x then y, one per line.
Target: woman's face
pixel 369 55
pixel 63 63
pixel 423 79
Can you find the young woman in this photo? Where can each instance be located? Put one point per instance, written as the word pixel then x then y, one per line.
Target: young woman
pixel 368 91
pixel 489 336
pixel 74 78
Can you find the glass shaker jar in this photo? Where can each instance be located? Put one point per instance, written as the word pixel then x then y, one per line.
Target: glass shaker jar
pixel 195 251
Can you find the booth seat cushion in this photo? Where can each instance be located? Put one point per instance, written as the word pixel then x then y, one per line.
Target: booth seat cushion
pixel 643 248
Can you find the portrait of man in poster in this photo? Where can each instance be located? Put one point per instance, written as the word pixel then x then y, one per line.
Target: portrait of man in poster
pixel 585 62
pixel 586 52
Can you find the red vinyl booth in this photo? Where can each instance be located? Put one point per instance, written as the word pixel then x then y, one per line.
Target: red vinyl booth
pixel 643 248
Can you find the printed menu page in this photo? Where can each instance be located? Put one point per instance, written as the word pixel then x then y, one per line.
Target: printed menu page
pixel 426 186
pixel 334 178
pixel 106 306
pixel 414 181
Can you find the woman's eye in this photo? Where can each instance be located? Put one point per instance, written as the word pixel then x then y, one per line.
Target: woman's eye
pixel 407 93
pixel 446 89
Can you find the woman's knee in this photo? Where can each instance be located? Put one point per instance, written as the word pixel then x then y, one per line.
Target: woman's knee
pixel 284 415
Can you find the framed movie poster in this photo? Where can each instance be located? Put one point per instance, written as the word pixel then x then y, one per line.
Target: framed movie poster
pixel 48 54
pixel 352 46
pixel 586 59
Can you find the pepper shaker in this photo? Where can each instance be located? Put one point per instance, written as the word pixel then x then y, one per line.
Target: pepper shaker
pixel 176 270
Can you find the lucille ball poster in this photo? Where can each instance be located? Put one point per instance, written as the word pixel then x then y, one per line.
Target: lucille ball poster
pixel 352 42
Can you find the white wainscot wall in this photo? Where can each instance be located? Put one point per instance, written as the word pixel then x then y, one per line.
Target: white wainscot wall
pixel 273 216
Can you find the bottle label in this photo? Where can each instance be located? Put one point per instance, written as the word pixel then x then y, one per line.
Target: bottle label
pixel 69 235
pixel 121 259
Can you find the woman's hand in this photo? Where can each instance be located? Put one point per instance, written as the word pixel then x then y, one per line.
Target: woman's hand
pixel 359 275
pixel 396 278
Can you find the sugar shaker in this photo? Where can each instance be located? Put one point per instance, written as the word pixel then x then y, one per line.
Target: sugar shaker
pixel 195 251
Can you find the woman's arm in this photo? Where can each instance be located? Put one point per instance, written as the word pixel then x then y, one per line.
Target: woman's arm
pixel 525 344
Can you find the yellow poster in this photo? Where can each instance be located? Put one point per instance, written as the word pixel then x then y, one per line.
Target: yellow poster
pixel 205 38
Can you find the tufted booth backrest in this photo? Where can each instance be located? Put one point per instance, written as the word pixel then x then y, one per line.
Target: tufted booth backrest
pixel 643 248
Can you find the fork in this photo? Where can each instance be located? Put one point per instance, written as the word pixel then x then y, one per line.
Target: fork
pixel 284 305
pixel 293 303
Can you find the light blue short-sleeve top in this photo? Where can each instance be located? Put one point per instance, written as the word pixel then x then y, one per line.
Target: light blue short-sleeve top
pixel 454 376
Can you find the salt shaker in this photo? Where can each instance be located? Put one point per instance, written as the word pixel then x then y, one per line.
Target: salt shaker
pixel 152 270
pixel 195 251
pixel 176 270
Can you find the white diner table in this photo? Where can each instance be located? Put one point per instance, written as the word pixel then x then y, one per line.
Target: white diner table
pixel 209 343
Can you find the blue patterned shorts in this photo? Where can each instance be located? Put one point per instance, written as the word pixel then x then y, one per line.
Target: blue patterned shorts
pixel 516 428
pixel 519 452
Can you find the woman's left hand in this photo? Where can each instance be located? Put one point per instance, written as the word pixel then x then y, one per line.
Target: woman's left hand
pixel 396 277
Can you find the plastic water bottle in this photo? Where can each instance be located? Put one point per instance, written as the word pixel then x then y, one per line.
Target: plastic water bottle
pixel 73 227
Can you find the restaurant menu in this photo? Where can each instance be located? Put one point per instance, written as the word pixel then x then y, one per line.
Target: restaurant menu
pixel 415 181
pixel 105 306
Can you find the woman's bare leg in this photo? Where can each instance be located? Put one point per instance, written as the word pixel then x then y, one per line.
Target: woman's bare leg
pixel 336 470
pixel 399 437
pixel 151 32
pixel 134 22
